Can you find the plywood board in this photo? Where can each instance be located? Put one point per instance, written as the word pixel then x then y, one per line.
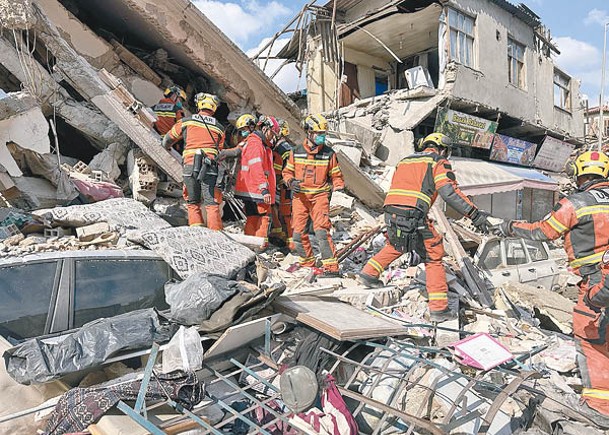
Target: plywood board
pixel 336 319
pixel 238 336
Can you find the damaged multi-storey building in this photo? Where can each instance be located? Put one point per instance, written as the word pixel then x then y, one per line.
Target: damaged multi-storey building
pixel 391 72
pixel 71 70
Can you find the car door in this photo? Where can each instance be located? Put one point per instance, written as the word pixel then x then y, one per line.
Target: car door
pixel 491 259
pixel 541 266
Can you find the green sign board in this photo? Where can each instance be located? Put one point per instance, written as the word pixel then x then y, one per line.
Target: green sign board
pixel 464 129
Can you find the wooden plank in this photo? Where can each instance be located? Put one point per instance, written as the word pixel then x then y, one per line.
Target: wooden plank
pixel 336 319
pixel 238 336
pixel 148 141
pixel 360 184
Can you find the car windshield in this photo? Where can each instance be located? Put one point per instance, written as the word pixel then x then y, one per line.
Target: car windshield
pixel 106 288
pixel 25 291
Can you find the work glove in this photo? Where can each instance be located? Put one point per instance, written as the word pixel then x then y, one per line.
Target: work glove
pixel 589 303
pixel 295 186
pixel 266 196
pixel 503 229
pixel 480 220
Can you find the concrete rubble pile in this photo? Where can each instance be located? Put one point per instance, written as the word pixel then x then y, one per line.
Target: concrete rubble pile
pixel 231 339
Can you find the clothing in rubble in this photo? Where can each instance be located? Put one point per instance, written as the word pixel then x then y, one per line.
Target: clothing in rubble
pixel 204 138
pixel 282 212
pixel 256 181
pixel 315 171
pixel 80 407
pixel 583 219
pixel 168 112
pixel 414 188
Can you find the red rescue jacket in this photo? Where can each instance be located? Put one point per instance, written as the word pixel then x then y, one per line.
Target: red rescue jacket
pixel 255 175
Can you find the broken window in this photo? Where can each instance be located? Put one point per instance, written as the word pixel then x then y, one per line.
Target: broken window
pixel 461 37
pixel 516 63
pixel 515 252
pixel 562 91
pixel 536 250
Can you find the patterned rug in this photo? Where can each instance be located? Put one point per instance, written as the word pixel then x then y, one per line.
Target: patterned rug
pixel 122 214
pixel 196 249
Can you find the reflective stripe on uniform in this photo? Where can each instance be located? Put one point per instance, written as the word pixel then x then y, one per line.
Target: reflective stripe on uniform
pixel 554 223
pixel 376 265
pixel 254 160
pixel 191 151
pixel 328 261
pixel 335 170
pixel 410 193
pixel 440 177
pixel 312 162
pixel 165 114
pixel 407 161
pixel 593 209
pixel 590 259
pixel 438 296
pixel 314 189
pixel 596 393
pixel 289 166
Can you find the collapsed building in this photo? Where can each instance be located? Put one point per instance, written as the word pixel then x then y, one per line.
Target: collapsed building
pixel 388 73
pixel 94 294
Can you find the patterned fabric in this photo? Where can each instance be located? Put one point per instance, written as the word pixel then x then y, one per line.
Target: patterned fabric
pixel 80 407
pixel 197 249
pixel 122 214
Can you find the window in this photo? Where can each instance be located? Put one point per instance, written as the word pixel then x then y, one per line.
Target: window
pixel 562 91
pixel 106 288
pixel 461 29
pixel 536 250
pixel 26 292
pixel 491 255
pixel 516 71
pixel 514 252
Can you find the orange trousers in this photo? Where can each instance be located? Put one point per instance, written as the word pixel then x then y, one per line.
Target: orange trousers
pixel 212 211
pixel 435 276
pixel 590 329
pixel 316 206
pixel 258 220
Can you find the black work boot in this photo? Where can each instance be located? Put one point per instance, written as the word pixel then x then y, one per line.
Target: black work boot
pixel 443 316
pixel 369 281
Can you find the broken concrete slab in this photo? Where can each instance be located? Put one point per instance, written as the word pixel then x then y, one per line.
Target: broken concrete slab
pixel 360 184
pixel 395 145
pixel 366 135
pixel 143 177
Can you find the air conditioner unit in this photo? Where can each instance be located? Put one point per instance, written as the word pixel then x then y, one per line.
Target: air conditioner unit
pixel 418 76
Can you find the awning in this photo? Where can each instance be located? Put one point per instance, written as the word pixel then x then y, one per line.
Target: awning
pixel 479 177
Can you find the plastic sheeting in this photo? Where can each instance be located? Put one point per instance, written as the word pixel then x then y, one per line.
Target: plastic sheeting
pixel 35 361
pixel 195 299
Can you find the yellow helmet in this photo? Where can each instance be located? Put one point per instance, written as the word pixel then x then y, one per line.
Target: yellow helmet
pixel 315 123
pixel 175 90
pixel 207 101
pixel 245 120
pixel 437 139
pixel 591 163
pixel 285 128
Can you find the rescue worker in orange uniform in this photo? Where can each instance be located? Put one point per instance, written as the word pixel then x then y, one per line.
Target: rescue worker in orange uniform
pixel 416 183
pixel 583 219
pixel 255 177
pixel 169 109
pixel 204 138
pixel 313 173
pixel 282 212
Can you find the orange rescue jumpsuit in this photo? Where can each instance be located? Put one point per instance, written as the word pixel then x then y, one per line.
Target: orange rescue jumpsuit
pixel 255 178
pixel 282 212
pixel 168 113
pixel 318 173
pixel 583 219
pixel 415 186
pixel 202 134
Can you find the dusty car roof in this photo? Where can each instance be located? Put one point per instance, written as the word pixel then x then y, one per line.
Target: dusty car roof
pixel 106 253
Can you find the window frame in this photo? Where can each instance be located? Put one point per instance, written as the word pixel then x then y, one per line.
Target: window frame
pixel 514 61
pixel 461 32
pixel 563 87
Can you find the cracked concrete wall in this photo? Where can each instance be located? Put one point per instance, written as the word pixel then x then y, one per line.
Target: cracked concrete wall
pixel 488 83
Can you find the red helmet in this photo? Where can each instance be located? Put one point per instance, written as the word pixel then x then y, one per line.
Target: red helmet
pixel 271 122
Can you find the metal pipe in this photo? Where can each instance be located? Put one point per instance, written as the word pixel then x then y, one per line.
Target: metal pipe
pixel 601 121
